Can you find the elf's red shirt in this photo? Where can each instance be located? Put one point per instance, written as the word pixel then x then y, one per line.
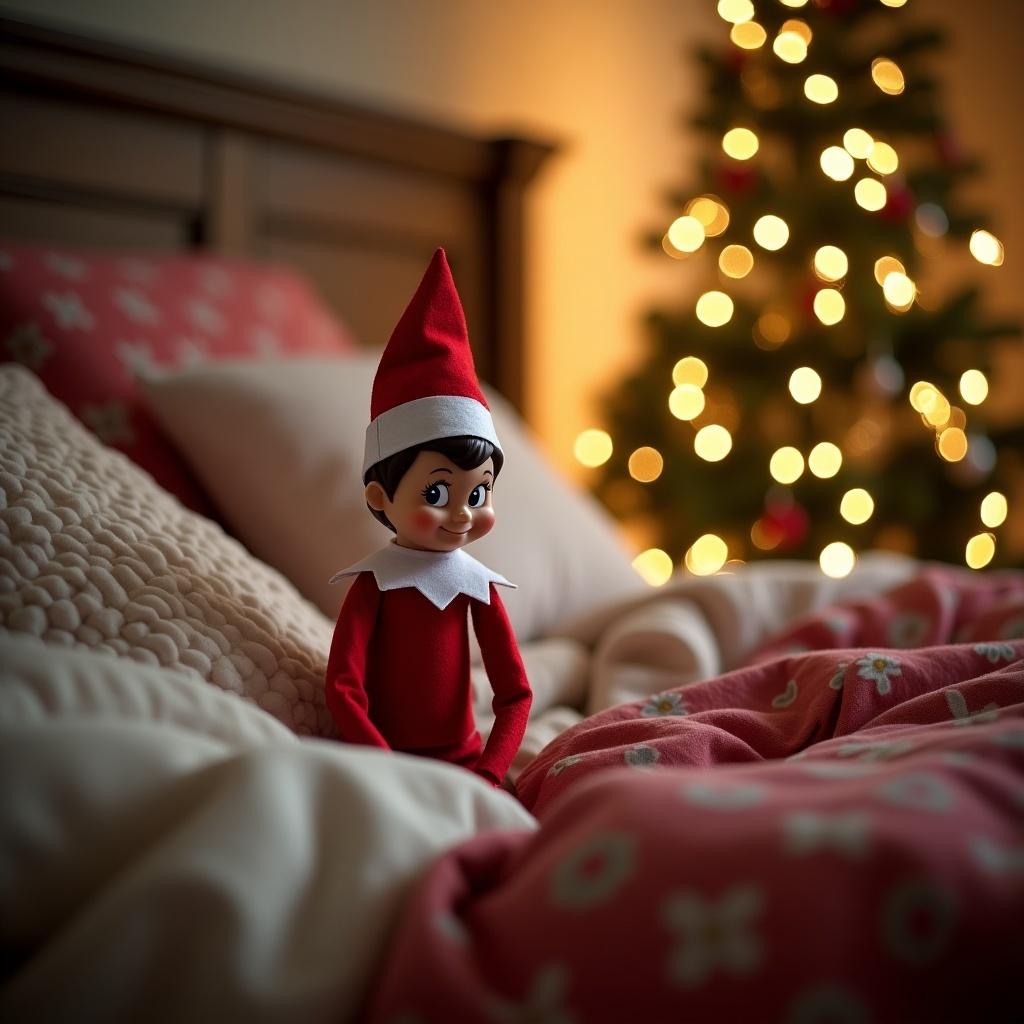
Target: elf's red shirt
pixel 398 675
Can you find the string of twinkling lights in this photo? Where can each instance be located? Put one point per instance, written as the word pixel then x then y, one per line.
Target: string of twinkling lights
pixel 873 165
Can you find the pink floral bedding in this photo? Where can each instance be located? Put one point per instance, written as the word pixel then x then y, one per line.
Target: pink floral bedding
pixel 830 835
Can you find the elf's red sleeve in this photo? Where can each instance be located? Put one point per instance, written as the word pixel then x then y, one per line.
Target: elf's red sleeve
pixel 512 696
pixel 346 665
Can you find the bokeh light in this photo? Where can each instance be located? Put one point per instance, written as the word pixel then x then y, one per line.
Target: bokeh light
pixel 772 330
pixel 686 402
pixel 766 534
pixel 951 444
pixel 837 560
pixel 735 11
pixel 686 234
pixel 837 163
pixel 821 89
pixel 771 232
pixel 937 413
pixel 712 443
pixel 923 396
pixel 711 212
pixel 801 28
pixel 740 143
pixel 804 385
pixel 748 35
pixel 829 306
pixel 973 387
pixel 736 261
pixel 593 447
pixel 987 249
pixel 790 47
pixel 858 143
pixel 690 370
pixel 899 290
pixel 856 506
pixel 831 263
pixel 654 566
pixel 883 159
pixel 870 194
pixel 994 509
pixel 887 265
pixel 980 550
pixel 707 555
pixel 825 460
pixel 886 74
pixel 645 464
pixel 714 309
pixel 786 465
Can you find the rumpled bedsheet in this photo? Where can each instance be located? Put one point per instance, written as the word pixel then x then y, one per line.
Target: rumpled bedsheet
pixel 169 852
pixel 825 835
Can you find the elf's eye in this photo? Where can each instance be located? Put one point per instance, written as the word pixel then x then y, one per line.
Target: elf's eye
pixel 436 495
pixel 477 496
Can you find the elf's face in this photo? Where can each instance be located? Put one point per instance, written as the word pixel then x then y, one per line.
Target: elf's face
pixel 437 506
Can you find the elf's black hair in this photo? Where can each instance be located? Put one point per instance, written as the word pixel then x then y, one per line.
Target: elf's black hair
pixel 466 452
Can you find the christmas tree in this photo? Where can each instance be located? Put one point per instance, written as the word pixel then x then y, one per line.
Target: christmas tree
pixel 816 397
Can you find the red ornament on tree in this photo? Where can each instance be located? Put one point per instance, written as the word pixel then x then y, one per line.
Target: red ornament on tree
pixel 788 521
pixel 898 204
pixel 736 179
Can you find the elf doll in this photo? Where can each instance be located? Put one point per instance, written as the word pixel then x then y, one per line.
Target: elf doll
pixel 398 675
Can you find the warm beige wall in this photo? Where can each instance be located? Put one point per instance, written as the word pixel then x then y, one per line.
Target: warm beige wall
pixel 604 76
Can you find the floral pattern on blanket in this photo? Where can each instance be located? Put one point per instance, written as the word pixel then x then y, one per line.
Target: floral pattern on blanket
pixel 834 835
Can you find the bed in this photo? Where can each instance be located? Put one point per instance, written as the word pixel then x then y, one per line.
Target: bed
pixel 763 795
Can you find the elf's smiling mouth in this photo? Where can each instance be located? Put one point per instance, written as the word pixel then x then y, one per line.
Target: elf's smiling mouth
pixel 455 533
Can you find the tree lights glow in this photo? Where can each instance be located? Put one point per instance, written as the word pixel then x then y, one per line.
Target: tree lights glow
pixel 837 560
pixel 771 232
pixel 654 566
pixel 714 308
pixel 987 249
pixel 713 442
pixel 804 385
pixel 707 555
pixel 740 143
pixel 690 370
pixel 593 447
pixel 823 170
pixel 830 263
pixel 888 76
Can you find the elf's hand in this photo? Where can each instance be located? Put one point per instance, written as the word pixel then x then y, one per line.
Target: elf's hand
pixel 488 777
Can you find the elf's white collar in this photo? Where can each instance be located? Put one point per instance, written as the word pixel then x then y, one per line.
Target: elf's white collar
pixel 440 576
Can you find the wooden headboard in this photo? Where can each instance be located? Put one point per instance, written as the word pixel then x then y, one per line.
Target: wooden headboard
pixel 108 146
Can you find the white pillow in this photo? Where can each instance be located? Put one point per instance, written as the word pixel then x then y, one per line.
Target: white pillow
pixel 93 554
pixel 279 448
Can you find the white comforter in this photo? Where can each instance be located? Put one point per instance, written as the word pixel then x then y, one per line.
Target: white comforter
pixel 168 851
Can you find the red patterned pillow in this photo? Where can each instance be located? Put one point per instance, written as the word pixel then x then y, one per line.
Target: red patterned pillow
pixel 84 321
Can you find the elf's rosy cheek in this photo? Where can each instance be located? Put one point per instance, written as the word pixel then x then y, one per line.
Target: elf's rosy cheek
pixel 425 519
pixel 483 520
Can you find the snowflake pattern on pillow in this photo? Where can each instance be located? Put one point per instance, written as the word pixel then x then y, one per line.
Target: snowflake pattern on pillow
pixel 87 322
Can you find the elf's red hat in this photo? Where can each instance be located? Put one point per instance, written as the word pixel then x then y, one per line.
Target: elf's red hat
pixel 426 386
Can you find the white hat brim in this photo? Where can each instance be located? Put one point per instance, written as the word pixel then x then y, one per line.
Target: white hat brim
pixel 426 419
